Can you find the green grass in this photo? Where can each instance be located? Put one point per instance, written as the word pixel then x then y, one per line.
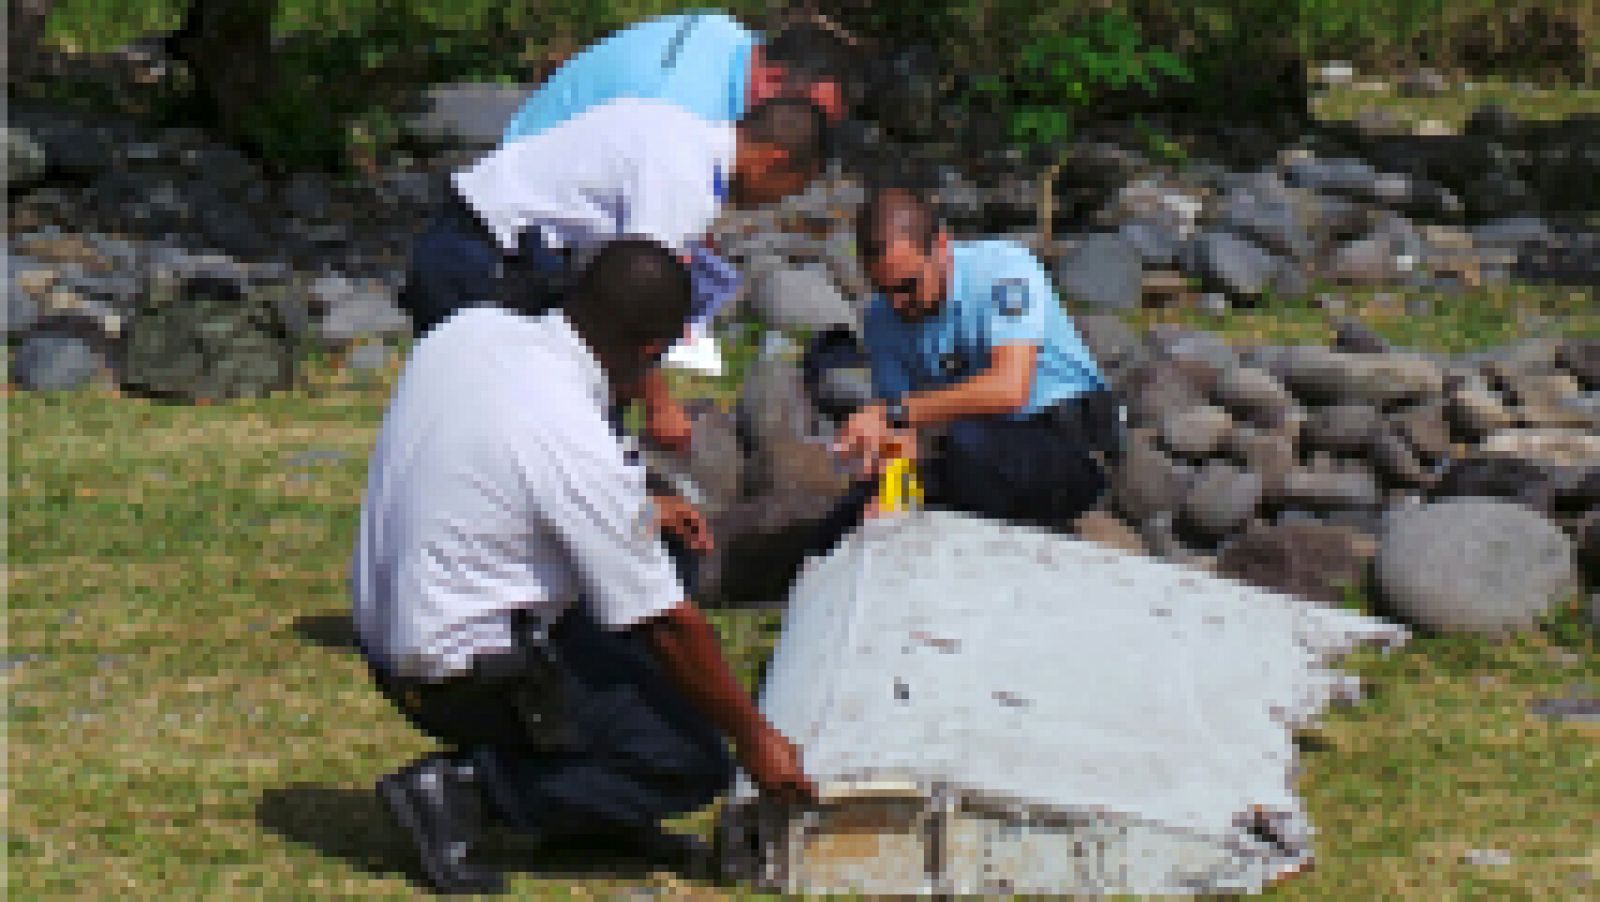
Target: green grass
pixel 186 718
pixel 1469 320
pixel 1453 108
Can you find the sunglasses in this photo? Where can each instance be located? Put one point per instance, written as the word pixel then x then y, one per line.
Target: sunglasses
pixel 905 288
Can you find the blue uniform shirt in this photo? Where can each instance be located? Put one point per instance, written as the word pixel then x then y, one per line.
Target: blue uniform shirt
pixel 699 61
pixel 998 294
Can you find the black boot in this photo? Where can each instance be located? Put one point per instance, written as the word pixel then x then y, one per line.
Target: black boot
pixel 440 802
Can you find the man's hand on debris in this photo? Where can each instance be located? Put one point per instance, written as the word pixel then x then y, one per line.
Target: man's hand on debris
pixel 774 763
pixel 677 517
pixel 867 441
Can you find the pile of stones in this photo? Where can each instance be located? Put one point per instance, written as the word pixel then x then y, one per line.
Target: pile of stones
pixel 108 216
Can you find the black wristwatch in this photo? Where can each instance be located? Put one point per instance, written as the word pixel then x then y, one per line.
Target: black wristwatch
pixel 895 415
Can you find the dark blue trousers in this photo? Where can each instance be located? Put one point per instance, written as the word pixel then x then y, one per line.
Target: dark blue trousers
pixel 638 751
pixel 1032 471
pixel 455 263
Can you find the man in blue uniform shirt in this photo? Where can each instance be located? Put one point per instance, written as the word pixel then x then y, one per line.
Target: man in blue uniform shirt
pixel 705 62
pixel 973 357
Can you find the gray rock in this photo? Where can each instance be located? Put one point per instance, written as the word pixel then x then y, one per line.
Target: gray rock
pixel 1320 375
pixel 357 310
pixel 76 150
pixel 232 229
pixel 1581 358
pixel 1254 395
pixel 1346 429
pixel 716 461
pixel 1268 454
pixel 1221 498
pixel 1365 261
pixel 1478 412
pixel 52 361
pixel 1474 565
pixel 1104 272
pixel 1158 388
pixel 1269 218
pixel 1425 431
pixel 1311 560
pixel 1337 176
pixel 801 298
pixel 1513 233
pixel 1111 341
pixel 1156 242
pixel 1321 488
pixel 1354 336
pixel 1551 447
pixel 471 115
pixel 369 356
pixel 1196 433
pixel 1147 482
pixel 772 408
pixel 25 159
pixel 1422 83
pixel 1394 459
pixel 307 195
pixel 1231 264
pixel 1497 476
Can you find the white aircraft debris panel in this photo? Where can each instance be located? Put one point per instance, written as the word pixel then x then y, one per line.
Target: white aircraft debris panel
pixel 989 707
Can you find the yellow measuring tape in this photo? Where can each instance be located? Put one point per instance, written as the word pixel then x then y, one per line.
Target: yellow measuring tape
pixel 898 487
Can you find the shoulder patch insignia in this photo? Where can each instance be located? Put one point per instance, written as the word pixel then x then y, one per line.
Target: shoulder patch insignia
pixel 1011 297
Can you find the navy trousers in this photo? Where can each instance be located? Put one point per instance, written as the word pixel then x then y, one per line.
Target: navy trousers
pixel 639 751
pixel 1033 471
pixel 455 263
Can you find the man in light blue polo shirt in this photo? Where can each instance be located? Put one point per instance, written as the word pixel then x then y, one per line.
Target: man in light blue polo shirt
pixel 705 62
pixel 969 345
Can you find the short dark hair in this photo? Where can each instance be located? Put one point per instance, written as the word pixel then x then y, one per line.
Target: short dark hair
pixel 795 125
pixel 811 52
pixel 633 292
pixel 898 208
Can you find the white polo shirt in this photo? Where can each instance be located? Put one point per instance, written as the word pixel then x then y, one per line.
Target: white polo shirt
pixel 496 484
pixel 628 167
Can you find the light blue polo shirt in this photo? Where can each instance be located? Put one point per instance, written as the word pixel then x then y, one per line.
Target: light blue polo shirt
pixel 998 294
pixel 700 61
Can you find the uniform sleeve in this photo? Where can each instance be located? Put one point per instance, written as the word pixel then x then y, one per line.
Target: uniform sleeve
pixel 890 379
pixel 672 198
pixel 596 506
pixel 1019 292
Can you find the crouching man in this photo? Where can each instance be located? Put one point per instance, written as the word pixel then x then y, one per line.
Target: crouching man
pixel 978 374
pixel 513 596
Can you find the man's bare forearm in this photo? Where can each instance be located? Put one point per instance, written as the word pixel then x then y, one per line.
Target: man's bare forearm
pixel 690 653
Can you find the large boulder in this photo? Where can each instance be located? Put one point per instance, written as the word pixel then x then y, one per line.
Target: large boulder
pixel 1346 429
pixel 1221 499
pixel 1147 482
pixel 1474 565
pixel 51 360
pixel 1254 395
pixel 1305 558
pixel 1196 433
pixel 1319 375
pixel 1233 265
pixel 801 297
pixel 1104 272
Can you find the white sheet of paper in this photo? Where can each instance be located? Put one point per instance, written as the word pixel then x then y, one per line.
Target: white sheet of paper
pixel 699 353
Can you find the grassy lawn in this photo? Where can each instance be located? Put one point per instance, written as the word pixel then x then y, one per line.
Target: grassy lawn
pixel 1455 106
pixel 187 716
